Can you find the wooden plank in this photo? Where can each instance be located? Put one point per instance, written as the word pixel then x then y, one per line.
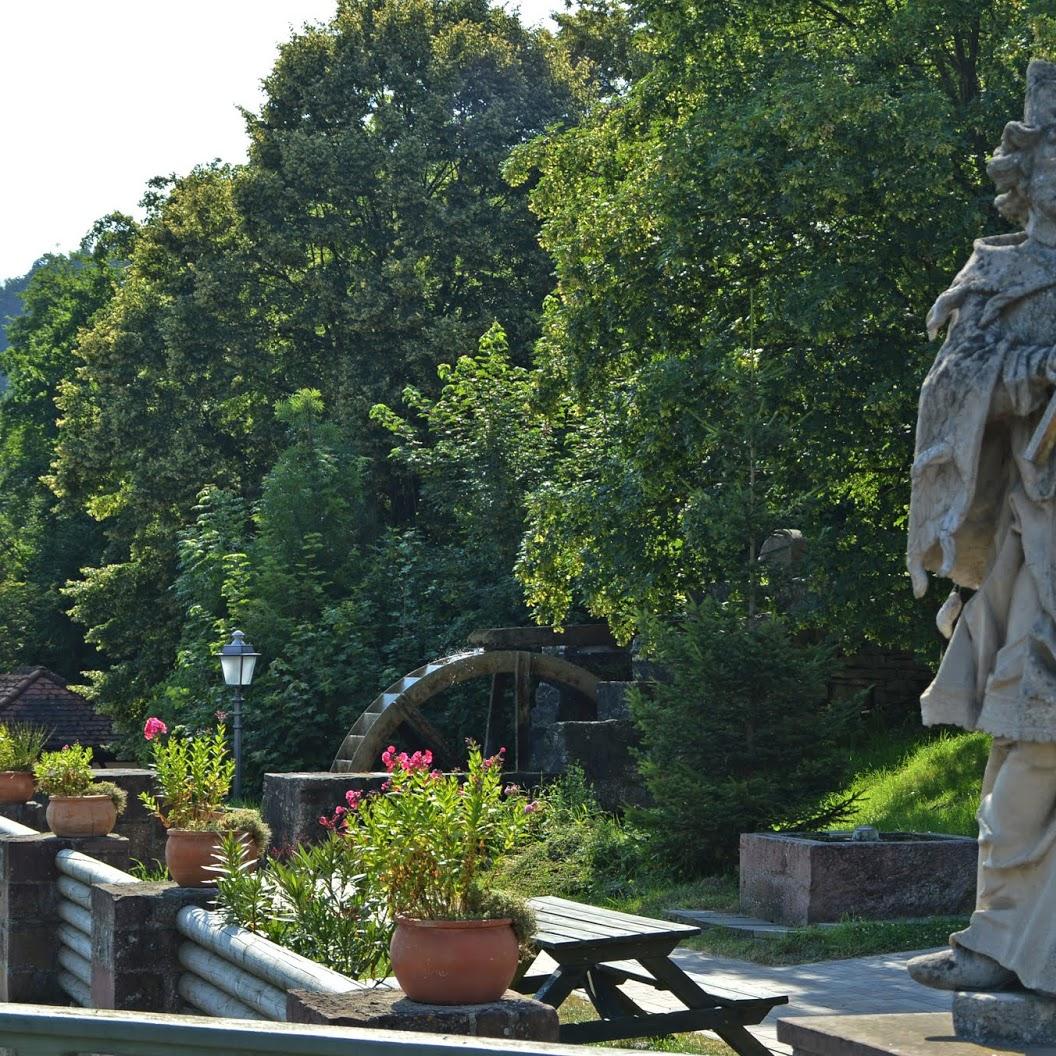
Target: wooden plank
pixel 498 691
pixel 522 706
pixel 608 999
pixel 581 635
pixel 648 1026
pixel 599 952
pixel 581 911
pixel 560 984
pixel 559 923
pixel 741 1041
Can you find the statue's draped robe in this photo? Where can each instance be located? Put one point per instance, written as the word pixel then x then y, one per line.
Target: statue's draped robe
pixel 985 516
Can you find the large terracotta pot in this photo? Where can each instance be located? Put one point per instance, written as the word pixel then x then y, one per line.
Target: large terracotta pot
pixel 453 962
pixel 16 786
pixel 81 815
pixel 189 853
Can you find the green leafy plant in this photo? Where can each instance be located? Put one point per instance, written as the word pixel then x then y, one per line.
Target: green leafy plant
pixel 21 745
pixel 67 772
pixel 118 796
pixel 193 773
pixel 249 821
pixel 318 903
pixel 429 839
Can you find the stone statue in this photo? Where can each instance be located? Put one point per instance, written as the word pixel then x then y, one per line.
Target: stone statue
pixel 983 513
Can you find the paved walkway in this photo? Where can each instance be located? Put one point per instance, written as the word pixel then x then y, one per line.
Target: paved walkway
pixel 856 985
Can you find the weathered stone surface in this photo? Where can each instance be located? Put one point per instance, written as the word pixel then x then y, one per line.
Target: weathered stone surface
pixel 134 944
pixel 512 1016
pixel 798 880
pixel 914 1034
pixel 294 803
pixel 29 900
pixel 1015 1018
pixel 612 700
pixel 604 750
pixel 145 834
pixel 30 814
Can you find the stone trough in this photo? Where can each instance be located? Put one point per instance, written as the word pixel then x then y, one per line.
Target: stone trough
pixel 815 878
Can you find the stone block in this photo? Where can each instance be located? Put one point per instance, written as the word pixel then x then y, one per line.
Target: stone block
pixel 512 1016
pixel 912 1034
pixel 145 834
pixel 293 803
pixel 605 751
pixel 30 814
pixel 1016 1018
pixel 612 700
pixel 810 879
pixel 135 942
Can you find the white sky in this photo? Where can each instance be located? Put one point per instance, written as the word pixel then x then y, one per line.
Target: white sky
pixel 97 96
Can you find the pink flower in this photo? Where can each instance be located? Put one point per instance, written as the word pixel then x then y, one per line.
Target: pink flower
pixel 388 757
pixel 153 727
pixel 221 715
pixel 340 812
pixel 352 798
pixel 512 790
pixel 326 822
pixel 532 807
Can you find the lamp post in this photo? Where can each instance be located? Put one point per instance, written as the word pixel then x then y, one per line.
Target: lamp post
pixel 237 660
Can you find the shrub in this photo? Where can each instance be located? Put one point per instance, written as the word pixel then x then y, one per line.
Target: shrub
pixel 742 737
pixel 194 774
pixel 67 772
pixel 247 820
pixel 318 903
pixel 21 745
pixel 118 796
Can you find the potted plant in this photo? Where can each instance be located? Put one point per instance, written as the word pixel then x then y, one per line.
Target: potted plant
pixel 194 776
pixel 77 804
pixel 20 747
pixel 429 840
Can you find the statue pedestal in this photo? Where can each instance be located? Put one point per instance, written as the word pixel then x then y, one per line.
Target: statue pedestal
pixel 911 1034
pixel 1013 1018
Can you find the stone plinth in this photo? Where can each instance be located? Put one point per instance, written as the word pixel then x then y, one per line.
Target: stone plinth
pixel 30 814
pixel 1014 1018
pixel 29 904
pixel 145 834
pixel 294 803
pixel 512 1016
pixel 811 879
pixel 135 944
pixel 605 751
pixel 915 1034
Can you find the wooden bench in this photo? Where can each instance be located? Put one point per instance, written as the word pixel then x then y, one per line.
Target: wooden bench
pixel 592 947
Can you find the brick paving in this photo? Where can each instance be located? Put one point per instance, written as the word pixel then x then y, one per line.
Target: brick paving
pixel 853 986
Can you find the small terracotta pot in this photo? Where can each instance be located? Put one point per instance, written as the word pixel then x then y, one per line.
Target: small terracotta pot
pixel 453 962
pixel 16 786
pixel 81 815
pixel 189 854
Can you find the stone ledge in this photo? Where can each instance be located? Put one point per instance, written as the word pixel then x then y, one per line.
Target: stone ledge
pixel 1014 1017
pixel 912 1034
pixel 512 1016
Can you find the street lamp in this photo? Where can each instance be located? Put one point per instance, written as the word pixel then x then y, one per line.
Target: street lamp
pixel 237 660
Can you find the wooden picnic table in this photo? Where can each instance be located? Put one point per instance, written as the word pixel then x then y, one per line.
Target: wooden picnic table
pixel 592 947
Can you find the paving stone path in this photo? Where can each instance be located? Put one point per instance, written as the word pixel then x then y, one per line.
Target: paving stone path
pixel 856 985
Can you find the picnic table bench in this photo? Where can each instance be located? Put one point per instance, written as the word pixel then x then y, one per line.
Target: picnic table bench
pixel 592 947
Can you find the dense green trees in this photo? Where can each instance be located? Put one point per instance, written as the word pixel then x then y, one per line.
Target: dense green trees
pixel 493 323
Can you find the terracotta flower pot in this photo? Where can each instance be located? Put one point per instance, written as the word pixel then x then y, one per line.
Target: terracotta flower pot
pixel 16 786
pixel 453 962
pixel 189 854
pixel 81 815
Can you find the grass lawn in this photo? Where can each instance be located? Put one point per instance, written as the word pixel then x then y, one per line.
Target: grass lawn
pixel 576 1010
pixel 920 786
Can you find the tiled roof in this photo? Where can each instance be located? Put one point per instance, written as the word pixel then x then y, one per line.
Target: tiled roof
pixel 40 697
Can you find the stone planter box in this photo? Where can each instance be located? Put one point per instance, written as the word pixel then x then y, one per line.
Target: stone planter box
pixel 817 878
